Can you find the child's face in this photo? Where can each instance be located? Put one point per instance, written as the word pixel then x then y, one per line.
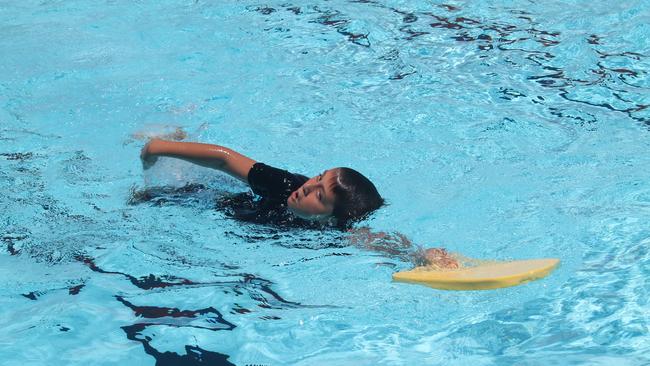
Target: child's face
pixel 314 200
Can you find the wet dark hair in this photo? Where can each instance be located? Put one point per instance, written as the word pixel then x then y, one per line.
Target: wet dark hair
pixel 355 197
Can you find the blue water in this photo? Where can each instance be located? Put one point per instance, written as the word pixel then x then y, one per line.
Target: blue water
pixel 495 129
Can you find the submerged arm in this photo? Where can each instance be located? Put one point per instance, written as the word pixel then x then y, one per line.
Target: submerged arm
pixel 206 155
pixel 398 245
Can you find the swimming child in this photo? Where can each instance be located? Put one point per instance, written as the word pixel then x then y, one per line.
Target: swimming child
pixel 337 197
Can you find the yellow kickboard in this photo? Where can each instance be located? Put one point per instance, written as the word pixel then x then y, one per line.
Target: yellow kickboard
pixel 482 277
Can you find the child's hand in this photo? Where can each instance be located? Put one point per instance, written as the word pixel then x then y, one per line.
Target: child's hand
pixel 147 157
pixel 439 257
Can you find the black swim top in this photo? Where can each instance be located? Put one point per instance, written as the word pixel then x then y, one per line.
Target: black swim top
pixel 273 184
pixel 273 187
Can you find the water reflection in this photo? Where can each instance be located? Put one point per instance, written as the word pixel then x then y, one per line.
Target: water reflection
pixel 521 34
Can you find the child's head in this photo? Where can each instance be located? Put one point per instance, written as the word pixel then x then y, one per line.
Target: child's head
pixel 340 193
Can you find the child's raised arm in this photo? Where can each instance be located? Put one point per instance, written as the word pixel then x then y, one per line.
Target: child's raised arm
pixel 207 155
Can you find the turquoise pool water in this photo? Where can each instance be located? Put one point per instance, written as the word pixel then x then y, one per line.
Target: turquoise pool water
pixel 495 129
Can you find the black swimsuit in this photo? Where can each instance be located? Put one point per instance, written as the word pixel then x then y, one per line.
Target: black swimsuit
pixel 273 186
pixel 267 204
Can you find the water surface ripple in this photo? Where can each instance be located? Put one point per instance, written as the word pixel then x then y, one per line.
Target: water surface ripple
pixel 496 129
